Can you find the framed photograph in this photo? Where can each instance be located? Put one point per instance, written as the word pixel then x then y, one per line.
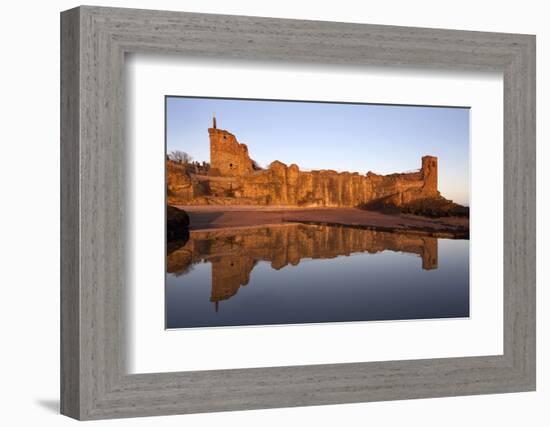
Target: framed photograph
pixel 262 213
pixel 232 222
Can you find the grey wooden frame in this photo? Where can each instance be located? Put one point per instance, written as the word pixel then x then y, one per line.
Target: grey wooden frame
pixel 94 382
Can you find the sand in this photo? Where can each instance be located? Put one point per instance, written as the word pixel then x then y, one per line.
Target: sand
pixel 210 217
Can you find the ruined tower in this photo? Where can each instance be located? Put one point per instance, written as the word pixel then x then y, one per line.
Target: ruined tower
pixel 227 156
pixel 429 175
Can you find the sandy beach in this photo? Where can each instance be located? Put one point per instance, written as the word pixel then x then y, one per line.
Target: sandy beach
pixel 216 217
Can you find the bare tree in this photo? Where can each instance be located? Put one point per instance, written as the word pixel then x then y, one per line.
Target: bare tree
pixel 180 156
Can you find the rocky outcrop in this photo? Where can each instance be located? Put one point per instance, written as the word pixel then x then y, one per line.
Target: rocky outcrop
pixel 177 223
pixel 233 180
pixel 179 185
pixel 435 207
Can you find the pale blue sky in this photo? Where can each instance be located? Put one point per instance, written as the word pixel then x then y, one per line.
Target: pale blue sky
pixel 344 137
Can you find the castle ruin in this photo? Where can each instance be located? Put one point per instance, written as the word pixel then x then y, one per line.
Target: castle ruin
pixel 234 179
pixel 227 156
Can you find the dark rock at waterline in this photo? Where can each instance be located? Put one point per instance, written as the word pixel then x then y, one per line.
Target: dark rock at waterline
pixel 177 224
pixel 434 207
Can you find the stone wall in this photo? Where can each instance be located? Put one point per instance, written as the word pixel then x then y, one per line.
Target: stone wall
pixel 233 180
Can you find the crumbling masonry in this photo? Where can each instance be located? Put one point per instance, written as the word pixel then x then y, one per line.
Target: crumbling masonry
pixel 233 179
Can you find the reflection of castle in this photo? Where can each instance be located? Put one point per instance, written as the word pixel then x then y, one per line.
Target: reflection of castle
pixel 234 253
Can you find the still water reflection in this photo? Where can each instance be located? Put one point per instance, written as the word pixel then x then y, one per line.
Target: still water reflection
pixel 300 273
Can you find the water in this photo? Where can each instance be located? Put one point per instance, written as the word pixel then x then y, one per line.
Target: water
pixel 311 274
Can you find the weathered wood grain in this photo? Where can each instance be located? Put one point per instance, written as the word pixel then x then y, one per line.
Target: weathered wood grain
pixel 70 220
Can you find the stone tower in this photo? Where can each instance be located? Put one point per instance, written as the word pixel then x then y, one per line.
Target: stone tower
pixel 429 175
pixel 227 156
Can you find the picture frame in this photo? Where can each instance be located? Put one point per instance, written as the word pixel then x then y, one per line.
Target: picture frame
pixel 94 381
